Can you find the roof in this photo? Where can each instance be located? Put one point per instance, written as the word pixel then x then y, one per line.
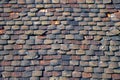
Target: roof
pixel 116 4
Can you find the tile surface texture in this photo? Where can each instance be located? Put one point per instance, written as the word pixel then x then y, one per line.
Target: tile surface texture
pixel 59 40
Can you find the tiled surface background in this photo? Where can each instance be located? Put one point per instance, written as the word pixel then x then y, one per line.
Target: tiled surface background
pixel 59 40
